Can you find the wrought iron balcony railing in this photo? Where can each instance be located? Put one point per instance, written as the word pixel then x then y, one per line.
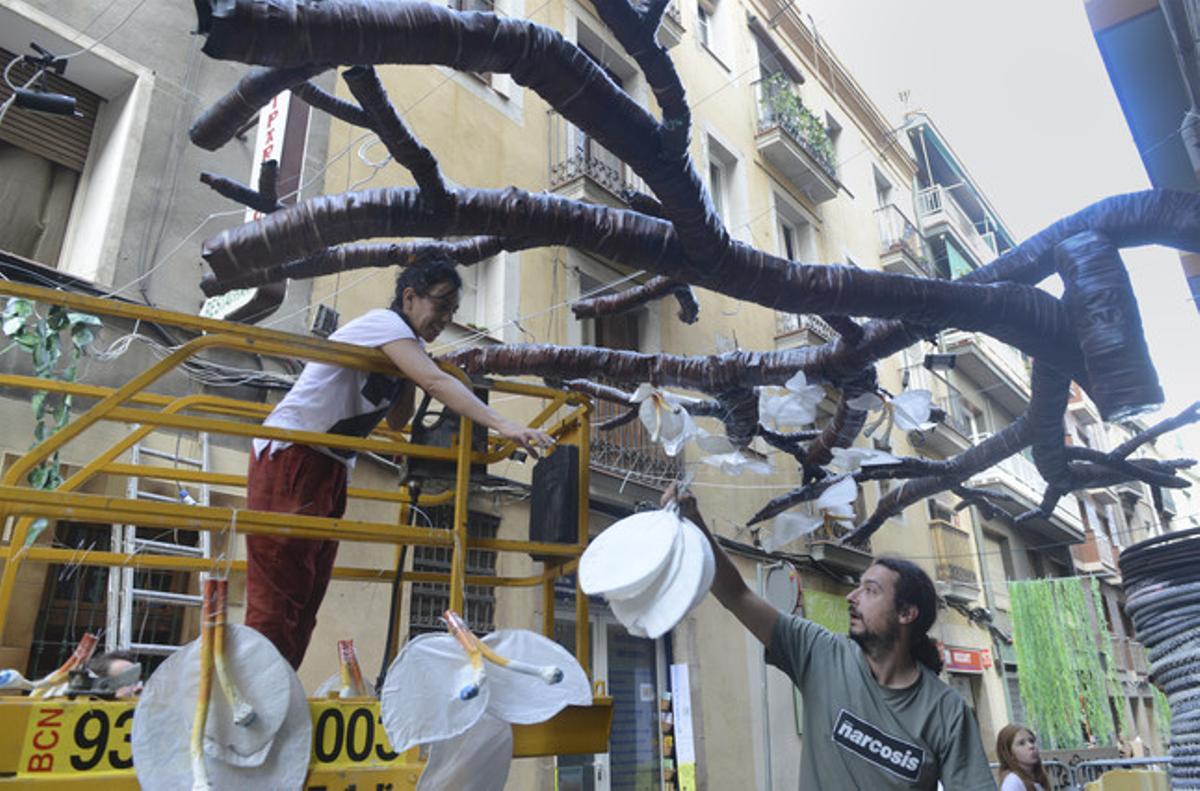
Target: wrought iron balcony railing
pixel 898 235
pixel 628 450
pixel 574 155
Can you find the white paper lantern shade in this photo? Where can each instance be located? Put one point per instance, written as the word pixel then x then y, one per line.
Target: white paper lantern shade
pixel 629 556
pixel 524 699
pixel 685 588
pixel 420 701
pixel 710 569
pixel 422 704
pixel 649 605
pixel 629 611
pixel 477 760
pixel 270 752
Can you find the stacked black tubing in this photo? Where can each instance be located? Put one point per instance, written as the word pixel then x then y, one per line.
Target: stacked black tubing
pixel 1161 577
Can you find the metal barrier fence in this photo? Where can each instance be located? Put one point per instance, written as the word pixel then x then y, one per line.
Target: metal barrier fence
pixel 1073 777
pixel 1088 771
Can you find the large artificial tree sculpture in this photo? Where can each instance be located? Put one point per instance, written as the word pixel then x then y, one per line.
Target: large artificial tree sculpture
pixel 1091 335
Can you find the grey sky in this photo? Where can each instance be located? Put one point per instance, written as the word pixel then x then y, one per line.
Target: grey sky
pixel 1021 93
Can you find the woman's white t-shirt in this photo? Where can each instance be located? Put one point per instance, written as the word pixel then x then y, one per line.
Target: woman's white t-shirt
pixel 335 400
pixel 1014 783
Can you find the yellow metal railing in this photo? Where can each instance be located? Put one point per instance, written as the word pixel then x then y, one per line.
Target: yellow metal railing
pixel 563 414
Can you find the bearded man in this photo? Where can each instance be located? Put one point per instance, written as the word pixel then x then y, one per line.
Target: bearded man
pixel 876 714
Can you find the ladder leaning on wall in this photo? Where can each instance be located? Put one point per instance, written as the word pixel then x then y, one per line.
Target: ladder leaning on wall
pixel 121 631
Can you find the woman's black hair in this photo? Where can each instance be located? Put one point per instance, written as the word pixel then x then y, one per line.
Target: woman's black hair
pixel 102 664
pixel 423 277
pixel 915 589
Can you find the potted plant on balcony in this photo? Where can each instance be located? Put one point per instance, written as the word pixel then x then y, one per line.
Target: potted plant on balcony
pixel 782 107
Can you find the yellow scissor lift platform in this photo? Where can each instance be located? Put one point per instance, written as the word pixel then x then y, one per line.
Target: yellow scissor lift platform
pixel 51 743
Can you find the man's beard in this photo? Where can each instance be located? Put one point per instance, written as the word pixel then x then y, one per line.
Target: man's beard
pixel 876 643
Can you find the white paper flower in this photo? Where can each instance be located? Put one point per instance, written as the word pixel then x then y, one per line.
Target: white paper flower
pixel 739 461
pixel 854 459
pixel 434 695
pixel 792 407
pixel 665 418
pixel 835 504
pixel 913 408
pixel 909 411
pixel 714 444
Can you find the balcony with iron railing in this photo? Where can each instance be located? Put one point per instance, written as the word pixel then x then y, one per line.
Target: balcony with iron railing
pixel 955 433
pixel 938 212
pixel 1129 655
pixel 582 168
pixel 901 249
pixel 794 140
pixel 801 329
pixel 670 32
pixel 1096 555
pixel 1139 662
pixel 627 450
pixel 955 561
pixel 999 369
pixel 1017 479
pixel 824 546
pixel 1081 407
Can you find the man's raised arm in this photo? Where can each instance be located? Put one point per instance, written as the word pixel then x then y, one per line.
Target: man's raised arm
pixel 753 611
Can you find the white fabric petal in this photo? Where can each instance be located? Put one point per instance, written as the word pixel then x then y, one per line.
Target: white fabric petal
pixel 477 760
pixel 670 422
pixel 648 414
pixel 524 699
pixel 713 443
pixel 845 511
pixel 912 409
pixel 781 413
pixel 717 459
pixel 642 393
pixel 678 429
pixel 737 462
pixel 868 401
pixel 789 527
pixel 853 459
pixel 846 459
pixel 757 466
pixel 842 492
pixel 874 457
pixel 797 383
pixel 420 701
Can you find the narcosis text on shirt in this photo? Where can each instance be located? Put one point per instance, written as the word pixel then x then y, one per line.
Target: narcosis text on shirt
pixel 894 755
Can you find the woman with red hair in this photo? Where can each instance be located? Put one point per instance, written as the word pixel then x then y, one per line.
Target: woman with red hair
pixel 1020 763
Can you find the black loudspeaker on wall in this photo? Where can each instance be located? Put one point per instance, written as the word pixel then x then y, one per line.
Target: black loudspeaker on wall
pixel 554 508
pixel 438 427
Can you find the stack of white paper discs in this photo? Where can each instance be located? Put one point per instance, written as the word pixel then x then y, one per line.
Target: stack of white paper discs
pixel 652 567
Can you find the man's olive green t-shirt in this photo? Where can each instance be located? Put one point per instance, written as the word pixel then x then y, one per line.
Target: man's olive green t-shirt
pixel 860 735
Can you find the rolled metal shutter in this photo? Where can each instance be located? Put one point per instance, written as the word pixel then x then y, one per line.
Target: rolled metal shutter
pixel 58 138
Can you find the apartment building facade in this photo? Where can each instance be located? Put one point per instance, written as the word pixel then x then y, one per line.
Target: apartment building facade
pixel 982 386
pixel 109 203
pixel 797 160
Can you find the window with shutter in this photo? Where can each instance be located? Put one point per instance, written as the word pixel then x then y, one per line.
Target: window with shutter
pixel 41 156
pixel 430 599
pixel 60 139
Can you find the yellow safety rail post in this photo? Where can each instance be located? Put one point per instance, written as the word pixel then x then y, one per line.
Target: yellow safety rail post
pixel 462 481
pixel 552 573
pixel 583 648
